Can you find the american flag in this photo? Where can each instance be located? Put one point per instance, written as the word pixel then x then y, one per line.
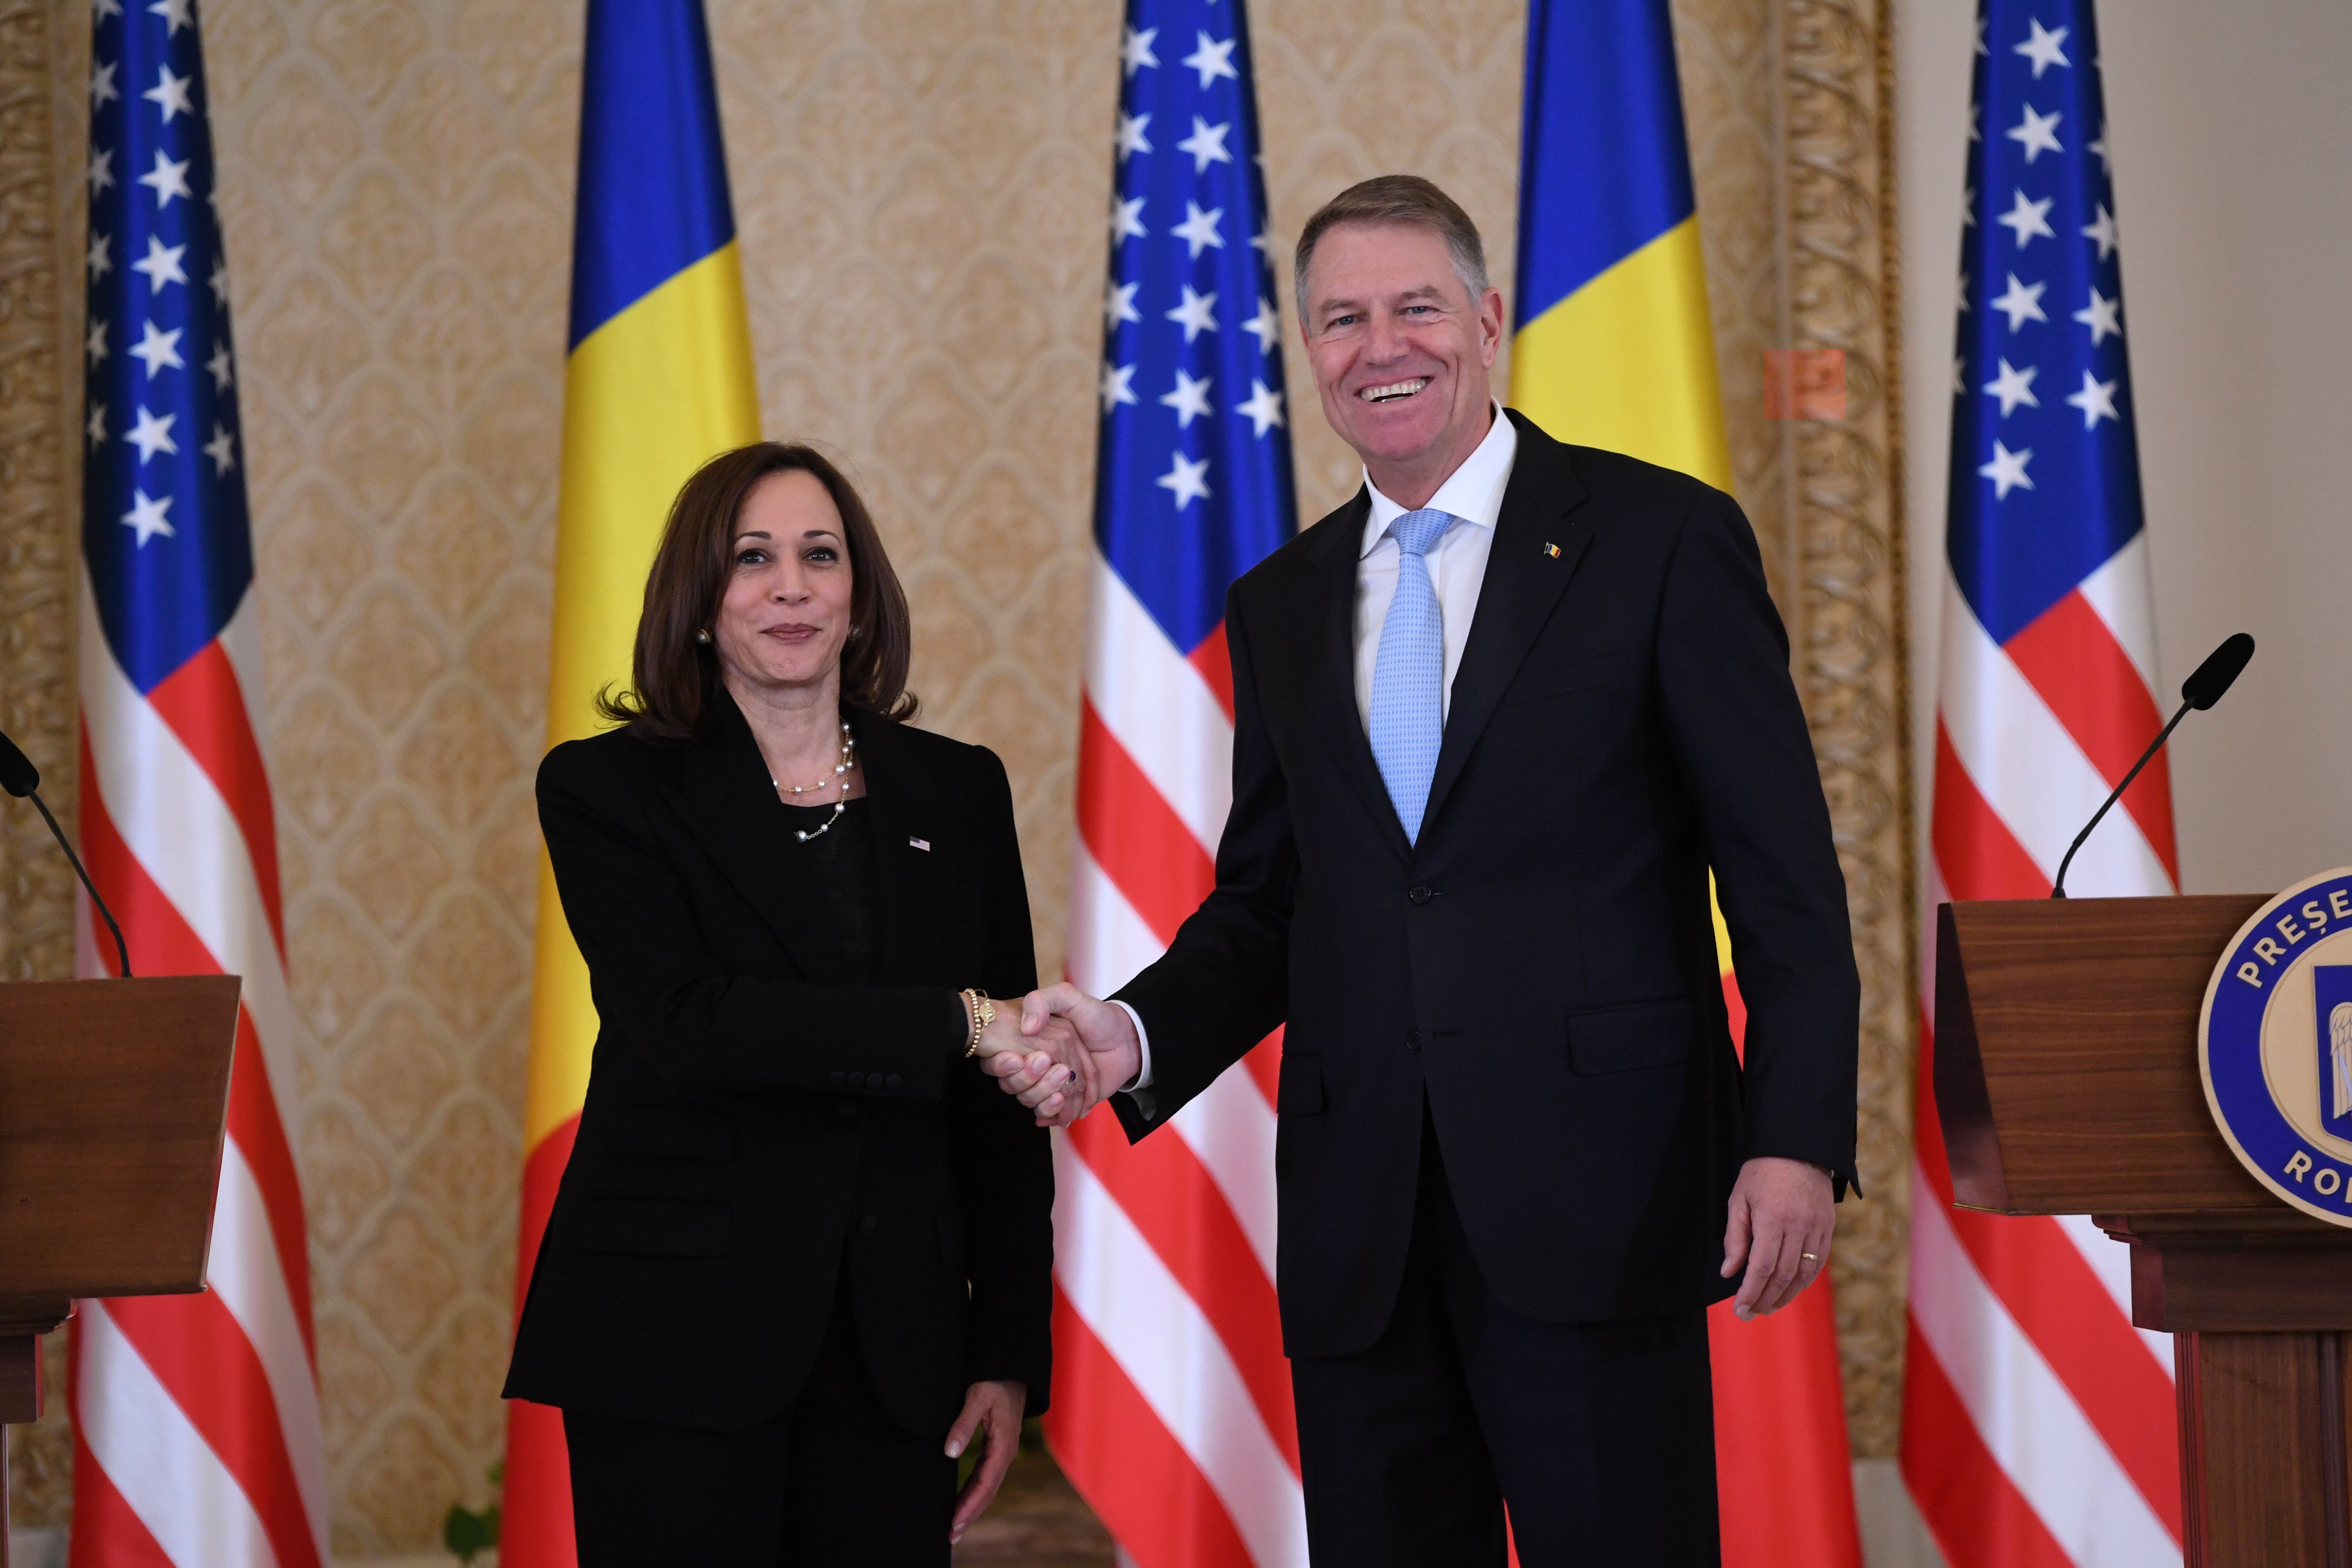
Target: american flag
pixel 195 1418
pixel 1171 1399
pixel 2038 1422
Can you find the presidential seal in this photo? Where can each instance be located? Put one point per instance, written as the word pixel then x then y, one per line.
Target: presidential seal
pixel 2275 1046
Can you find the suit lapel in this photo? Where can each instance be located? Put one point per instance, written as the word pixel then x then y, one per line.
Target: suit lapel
pixel 1524 581
pixel 730 807
pixel 1332 686
pixel 904 805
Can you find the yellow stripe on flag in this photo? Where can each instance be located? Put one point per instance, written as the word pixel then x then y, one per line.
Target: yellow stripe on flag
pixel 649 398
pixel 1627 363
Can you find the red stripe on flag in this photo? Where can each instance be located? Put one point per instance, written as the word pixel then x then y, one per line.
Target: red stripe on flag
pixel 201 1356
pixel 1182 1215
pixel 2044 1283
pixel 1979 856
pixel 1125 1464
pixel 1214 661
pixel 106 1533
pixel 1978 1517
pixel 1264 1064
pixel 202 704
pixel 1143 846
pixel 260 1136
pixel 2071 657
pixel 537 1504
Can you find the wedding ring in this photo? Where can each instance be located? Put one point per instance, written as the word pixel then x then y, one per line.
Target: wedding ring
pixel 1809 1258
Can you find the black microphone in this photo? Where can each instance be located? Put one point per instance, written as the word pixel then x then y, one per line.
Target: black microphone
pixel 20 778
pixel 2203 689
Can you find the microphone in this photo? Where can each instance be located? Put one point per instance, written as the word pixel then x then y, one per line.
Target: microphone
pixel 2203 689
pixel 20 778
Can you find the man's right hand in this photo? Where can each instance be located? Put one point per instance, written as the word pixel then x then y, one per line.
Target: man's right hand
pixel 1112 1056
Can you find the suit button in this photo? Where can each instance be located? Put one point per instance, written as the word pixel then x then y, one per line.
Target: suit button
pixel 846 1107
pixel 866 1226
pixel 1419 893
pixel 891 1082
pixel 837 1080
pixel 1412 1040
pixel 857 1080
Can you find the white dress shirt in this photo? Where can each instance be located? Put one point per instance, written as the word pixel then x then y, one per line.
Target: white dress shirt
pixel 1457 570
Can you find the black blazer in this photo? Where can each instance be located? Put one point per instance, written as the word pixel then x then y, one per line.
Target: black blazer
pixel 750 1120
pixel 1540 969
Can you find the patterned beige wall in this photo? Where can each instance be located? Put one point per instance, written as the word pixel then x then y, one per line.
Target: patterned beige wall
pixel 919 186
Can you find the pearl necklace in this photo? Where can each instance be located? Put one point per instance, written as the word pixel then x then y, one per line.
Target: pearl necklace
pixel 839 780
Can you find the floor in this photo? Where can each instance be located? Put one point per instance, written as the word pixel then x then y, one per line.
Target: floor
pixel 1038 1522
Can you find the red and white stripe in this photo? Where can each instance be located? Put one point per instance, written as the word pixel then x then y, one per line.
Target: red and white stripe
pixel 197 1435
pixel 2038 1422
pixel 1171 1399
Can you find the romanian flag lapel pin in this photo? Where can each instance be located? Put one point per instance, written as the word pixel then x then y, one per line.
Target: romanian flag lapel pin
pixel 1552 550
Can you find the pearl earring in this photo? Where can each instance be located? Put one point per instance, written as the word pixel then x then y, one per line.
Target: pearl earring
pixel 702 635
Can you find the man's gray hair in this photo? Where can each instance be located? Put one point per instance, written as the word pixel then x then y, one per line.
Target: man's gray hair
pixel 1396 199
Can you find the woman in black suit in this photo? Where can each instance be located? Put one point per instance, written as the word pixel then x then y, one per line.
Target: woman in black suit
pixel 801 1254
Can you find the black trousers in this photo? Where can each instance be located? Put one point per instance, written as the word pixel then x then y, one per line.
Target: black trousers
pixel 833 1482
pixel 1601 1436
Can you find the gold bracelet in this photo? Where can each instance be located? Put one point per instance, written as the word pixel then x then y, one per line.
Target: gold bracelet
pixel 983 1014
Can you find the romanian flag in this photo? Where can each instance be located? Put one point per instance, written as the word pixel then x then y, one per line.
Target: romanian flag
pixel 1613 348
pixel 659 381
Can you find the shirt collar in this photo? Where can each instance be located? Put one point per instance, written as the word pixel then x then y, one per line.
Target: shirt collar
pixel 1473 492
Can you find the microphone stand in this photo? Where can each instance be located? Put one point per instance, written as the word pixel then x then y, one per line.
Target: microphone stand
pixel 2058 888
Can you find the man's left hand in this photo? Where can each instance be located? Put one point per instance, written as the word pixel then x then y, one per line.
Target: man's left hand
pixel 1781 1218
pixel 992 1412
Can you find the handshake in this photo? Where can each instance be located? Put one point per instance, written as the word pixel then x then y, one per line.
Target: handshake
pixel 1062 1053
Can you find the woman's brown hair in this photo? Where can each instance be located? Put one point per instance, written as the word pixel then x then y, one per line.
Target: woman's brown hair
pixel 674 677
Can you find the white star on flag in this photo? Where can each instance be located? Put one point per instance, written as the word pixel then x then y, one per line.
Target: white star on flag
pixel 1129 136
pixel 2022 303
pixel 2100 147
pixel 2028 219
pixel 94 344
pixel 167 179
pixel 101 169
pixel 100 259
pixel 2096 400
pixel 146 517
pixel 1213 59
pixel 1267 325
pixel 102 9
pixel 2014 387
pixel 1207 145
pixel 2007 470
pixel 1187 480
pixel 222 368
pixel 2103 316
pixel 1135 52
pixel 219 280
pixel 162 264
pixel 221 449
pixel 1117 385
pixel 102 84
pixel 171 93
pixel 155 350
pixel 2044 48
pixel 1126 219
pixel 1264 406
pixel 1199 229
pixel 1196 314
pixel 1119 304
pixel 2102 230
pixel 1189 400
pixel 96 425
pixel 151 435
pixel 2037 133
pixel 176 14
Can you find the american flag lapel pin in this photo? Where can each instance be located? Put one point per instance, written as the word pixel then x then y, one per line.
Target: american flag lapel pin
pixel 1552 550
pixel 923 844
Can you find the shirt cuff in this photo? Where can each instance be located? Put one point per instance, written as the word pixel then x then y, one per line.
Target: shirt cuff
pixel 1142 1079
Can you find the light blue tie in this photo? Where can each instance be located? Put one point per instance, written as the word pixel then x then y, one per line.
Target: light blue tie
pixel 1408 712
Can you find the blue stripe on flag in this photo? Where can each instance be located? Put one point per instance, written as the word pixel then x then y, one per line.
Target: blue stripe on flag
pixel 1606 166
pixel 648 110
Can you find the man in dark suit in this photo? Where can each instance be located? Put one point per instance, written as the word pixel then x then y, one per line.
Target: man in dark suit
pixel 1496 720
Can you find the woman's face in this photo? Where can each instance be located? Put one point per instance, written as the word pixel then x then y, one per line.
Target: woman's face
pixel 785 617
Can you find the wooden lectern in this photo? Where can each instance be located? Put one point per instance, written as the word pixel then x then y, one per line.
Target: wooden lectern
pixel 2066 1079
pixel 113 1097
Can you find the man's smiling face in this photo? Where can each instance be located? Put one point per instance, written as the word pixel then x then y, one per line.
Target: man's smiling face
pixel 1401 351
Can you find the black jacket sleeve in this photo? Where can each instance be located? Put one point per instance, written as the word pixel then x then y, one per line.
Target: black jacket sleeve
pixel 1003 1161
pixel 1739 734
pixel 1225 982
pixel 659 987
